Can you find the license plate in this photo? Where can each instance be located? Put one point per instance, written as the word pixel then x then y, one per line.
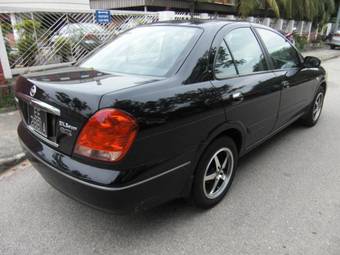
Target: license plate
pixel 37 119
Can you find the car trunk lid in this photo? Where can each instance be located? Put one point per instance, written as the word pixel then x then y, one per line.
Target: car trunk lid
pixel 56 104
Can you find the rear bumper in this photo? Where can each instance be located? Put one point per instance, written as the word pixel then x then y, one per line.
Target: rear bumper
pixel 132 197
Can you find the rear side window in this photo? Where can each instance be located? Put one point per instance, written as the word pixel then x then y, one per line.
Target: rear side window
pixel 224 65
pixel 247 53
pixel 283 55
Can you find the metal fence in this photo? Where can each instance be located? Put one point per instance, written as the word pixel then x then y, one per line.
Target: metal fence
pixel 39 40
pixel 36 39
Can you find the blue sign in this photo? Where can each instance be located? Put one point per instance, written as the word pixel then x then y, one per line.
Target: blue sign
pixel 103 16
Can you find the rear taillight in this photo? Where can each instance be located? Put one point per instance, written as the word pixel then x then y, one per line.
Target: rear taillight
pixel 107 136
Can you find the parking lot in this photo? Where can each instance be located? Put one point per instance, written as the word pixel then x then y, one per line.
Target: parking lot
pixel 285 200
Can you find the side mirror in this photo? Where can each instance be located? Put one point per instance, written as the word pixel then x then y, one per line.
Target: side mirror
pixel 311 62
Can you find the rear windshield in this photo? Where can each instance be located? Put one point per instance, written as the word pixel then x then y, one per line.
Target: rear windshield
pixel 150 51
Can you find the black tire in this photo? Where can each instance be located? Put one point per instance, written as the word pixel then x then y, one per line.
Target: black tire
pixel 332 47
pixel 310 119
pixel 200 195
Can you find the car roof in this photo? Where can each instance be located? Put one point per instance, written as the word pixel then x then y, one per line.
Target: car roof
pixel 209 24
pixel 195 23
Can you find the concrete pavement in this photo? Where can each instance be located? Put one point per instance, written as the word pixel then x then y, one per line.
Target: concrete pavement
pixel 323 54
pixel 10 150
pixel 285 200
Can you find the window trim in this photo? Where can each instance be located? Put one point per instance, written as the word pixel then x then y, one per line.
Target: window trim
pixel 273 69
pixel 264 52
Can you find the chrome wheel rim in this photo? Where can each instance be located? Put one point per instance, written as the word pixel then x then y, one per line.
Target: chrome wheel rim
pixel 218 173
pixel 317 106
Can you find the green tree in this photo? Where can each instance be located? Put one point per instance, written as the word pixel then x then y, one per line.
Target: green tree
pixel 246 7
pixel 337 14
pixel 27 45
pixel 313 10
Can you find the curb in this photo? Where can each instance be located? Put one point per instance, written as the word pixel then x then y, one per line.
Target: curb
pixel 6 163
pixel 310 53
pixel 329 58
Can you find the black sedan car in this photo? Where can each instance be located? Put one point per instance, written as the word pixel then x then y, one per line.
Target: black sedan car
pixel 165 111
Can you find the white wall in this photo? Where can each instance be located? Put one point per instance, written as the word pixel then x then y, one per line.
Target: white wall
pixel 52 5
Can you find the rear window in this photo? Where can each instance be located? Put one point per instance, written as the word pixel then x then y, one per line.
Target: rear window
pixel 151 51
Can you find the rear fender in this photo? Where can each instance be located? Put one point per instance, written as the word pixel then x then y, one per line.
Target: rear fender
pixel 222 129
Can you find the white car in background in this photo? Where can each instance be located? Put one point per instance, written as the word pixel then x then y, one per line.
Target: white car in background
pixel 335 40
pixel 88 35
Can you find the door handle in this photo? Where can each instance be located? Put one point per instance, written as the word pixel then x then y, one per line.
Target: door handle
pixel 285 84
pixel 238 97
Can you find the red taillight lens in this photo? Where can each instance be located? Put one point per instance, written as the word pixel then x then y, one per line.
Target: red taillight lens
pixel 107 135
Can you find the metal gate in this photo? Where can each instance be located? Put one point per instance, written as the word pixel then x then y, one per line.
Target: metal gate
pixel 35 39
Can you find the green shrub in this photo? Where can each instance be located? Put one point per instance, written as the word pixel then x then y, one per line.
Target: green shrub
pixel 27 45
pixel 27 48
pixel 6 97
pixel 317 42
pixel 318 39
pixel 301 41
pixel 12 56
pixel 6 29
pixel 63 48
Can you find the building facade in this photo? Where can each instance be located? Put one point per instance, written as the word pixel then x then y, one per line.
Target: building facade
pixel 50 5
pixel 214 7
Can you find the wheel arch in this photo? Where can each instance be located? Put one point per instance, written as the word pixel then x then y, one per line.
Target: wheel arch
pixel 324 85
pixel 235 135
pixel 235 131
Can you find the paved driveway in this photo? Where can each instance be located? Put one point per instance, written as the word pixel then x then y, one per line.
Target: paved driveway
pixel 285 200
pixel 9 144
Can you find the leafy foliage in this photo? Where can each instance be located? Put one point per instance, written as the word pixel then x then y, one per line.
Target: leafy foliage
pixel 63 48
pixel 6 97
pixel 27 45
pixel 301 41
pixel 313 10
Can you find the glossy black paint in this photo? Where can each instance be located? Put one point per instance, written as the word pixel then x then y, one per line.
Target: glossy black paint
pixel 312 62
pixel 178 117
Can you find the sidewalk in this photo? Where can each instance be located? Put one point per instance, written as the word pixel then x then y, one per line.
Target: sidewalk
pixel 323 54
pixel 10 150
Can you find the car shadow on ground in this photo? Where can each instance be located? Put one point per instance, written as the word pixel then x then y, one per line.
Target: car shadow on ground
pixel 168 218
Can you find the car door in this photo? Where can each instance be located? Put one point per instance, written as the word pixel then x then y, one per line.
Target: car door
pixel 298 84
pixel 247 86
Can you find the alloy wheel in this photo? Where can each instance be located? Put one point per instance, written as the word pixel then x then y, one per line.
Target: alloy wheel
pixel 317 108
pixel 218 173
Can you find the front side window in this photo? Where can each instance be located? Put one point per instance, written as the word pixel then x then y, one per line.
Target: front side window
pixel 247 53
pixel 283 55
pixel 149 51
pixel 224 64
